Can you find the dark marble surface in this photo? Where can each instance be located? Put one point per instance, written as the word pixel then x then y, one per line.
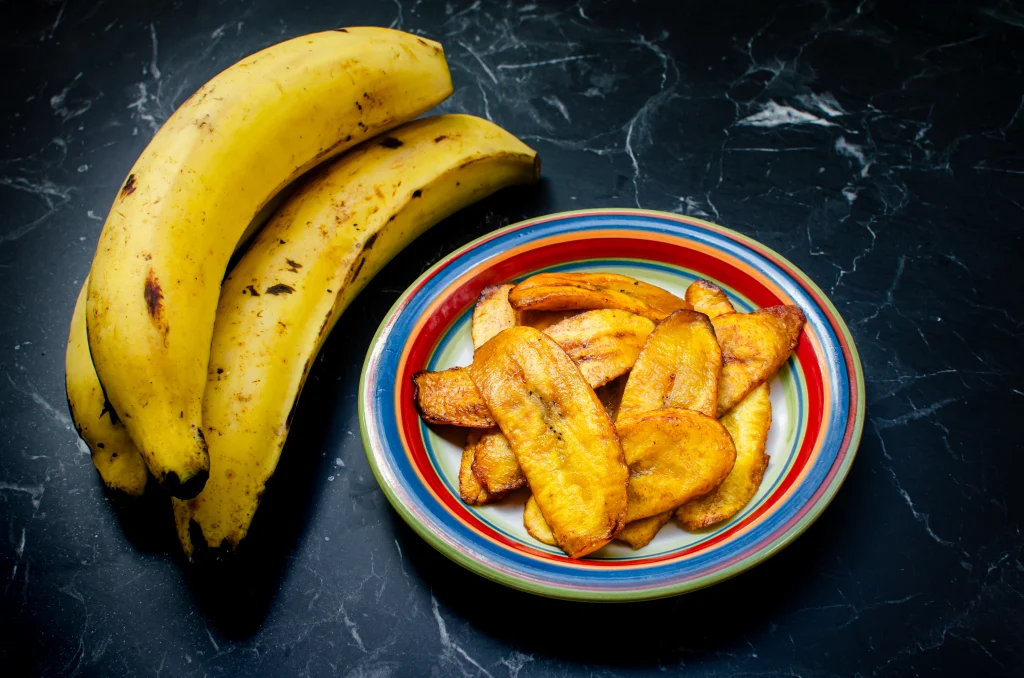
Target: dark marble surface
pixel 876 145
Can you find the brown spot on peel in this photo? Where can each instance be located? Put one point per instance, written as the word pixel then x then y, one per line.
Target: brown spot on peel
pixel 129 186
pixel 153 294
pixel 252 291
pixel 327 320
pixel 293 266
pixel 279 289
pixel 355 272
pixel 391 142
pixel 369 241
pixel 291 414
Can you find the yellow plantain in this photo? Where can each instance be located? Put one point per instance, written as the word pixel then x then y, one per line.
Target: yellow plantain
pixel 304 268
pixel 113 453
pixel 193 192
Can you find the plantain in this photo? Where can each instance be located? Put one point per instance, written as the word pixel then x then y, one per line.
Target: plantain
pixel 559 433
pixel 678 366
pixel 640 533
pixel 748 425
pixel 708 298
pixel 113 453
pixel 492 314
pixel 581 291
pixel 603 344
pixel 191 195
pixel 754 347
pixel 303 269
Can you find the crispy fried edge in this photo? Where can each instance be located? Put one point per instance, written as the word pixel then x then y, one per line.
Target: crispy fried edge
pixel 639 533
pixel 535 524
pixel 482 421
pixel 484 306
pixel 708 298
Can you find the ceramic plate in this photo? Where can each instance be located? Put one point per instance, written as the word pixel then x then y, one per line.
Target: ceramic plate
pixel 817 404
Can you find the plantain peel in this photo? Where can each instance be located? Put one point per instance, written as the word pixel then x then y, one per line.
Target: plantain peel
pixel 604 345
pixel 674 455
pixel 678 366
pixel 748 424
pixel 118 461
pixel 582 291
pixel 289 289
pixel 560 434
pixel 754 347
pixel 708 298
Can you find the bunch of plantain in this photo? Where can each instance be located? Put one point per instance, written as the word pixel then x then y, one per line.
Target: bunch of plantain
pixel 176 371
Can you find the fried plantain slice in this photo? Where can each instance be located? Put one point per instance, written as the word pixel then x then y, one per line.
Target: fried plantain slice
pixel 567 291
pixel 561 436
pixel 495 464
pixel 604 347
pixel 541 320
pixel 708 298
pixel 450 397
pixel 492 314
pixel 748 424
pixel 678 366
pixel 470 489
pixel 674 455
pixel 754 347
pixel 536 526
pixel 639 533
pixel 604 344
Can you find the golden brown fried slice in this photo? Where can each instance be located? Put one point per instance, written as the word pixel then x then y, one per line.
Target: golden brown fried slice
pixel 495 464
pixel 674 455
pixel 603 350
pixel 639 533
pixel 536 526
pixel 754 347
pixel 560 434
pixel 604 344
pixel 492 314
pixel 541 320
pixel 678 366
pixel 748 425
pixel 449 397
pixel 708 298
pixel 470 489
pixel 567 291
